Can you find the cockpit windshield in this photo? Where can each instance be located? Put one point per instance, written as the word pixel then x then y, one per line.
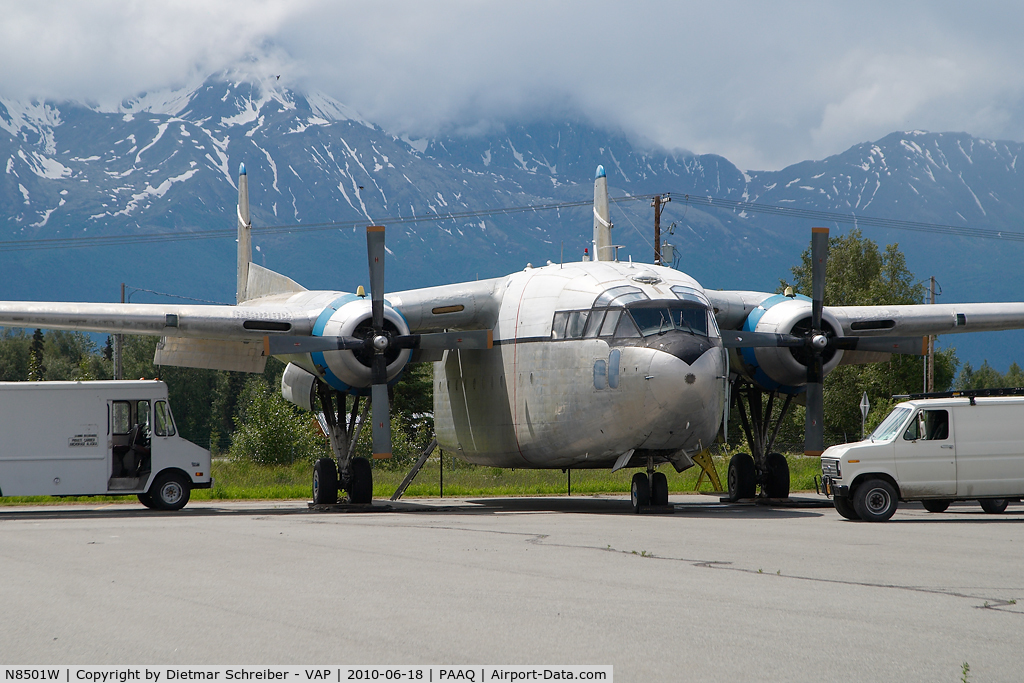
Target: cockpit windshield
pixel 665 316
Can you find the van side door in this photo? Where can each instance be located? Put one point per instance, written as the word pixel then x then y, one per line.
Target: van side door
pixel 926 456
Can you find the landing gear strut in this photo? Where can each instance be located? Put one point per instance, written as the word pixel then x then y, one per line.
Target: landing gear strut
pixel 762 467
pixel 344 471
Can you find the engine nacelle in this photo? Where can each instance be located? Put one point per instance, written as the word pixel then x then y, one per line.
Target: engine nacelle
pixel 351 316
pixel 298 386
pixel 782 368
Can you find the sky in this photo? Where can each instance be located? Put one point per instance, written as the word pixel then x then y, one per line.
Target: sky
pixel 763 84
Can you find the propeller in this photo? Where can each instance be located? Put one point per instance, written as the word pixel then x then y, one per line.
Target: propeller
pixel 817 341
pixel 378 342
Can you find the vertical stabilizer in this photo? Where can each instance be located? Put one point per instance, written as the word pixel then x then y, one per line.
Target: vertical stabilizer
pixel 603 250
pixel 244 236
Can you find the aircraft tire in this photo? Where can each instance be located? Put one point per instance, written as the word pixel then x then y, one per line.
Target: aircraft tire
pixel 939 505
pixel 994 506
pixel 360 488
pixel 659 489
pixel 875 500
pixel 776 483
pixel 640 491
pixel 845 509
pixel 742 477
pixel 170 491
pixel 325 482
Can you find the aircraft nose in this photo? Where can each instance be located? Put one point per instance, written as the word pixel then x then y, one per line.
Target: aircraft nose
pixel 670 380
pixel 683 345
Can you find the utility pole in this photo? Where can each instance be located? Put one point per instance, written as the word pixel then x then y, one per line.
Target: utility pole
pixel 658 202
pixel 118 344
pixel 930 381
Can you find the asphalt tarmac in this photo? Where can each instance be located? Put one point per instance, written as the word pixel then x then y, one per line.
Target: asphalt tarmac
pixel 707 593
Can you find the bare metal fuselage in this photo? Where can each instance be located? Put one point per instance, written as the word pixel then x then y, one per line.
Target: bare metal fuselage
pixel 535 401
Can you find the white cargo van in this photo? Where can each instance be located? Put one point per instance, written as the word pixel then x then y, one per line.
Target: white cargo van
pixel 96 438
pixel 963 446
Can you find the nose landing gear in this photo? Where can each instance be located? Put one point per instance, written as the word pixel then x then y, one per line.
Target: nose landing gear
pixel 648 488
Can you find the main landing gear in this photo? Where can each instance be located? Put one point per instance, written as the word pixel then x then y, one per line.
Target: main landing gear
pixel 343 472
pixel 648 488
pixel 762 467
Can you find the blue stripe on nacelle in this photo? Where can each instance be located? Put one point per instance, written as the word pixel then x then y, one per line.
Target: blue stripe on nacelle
pixel 748 353
pixel 318 331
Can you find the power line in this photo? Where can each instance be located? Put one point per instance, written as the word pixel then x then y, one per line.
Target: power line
pixel 701 200
pixel 147 238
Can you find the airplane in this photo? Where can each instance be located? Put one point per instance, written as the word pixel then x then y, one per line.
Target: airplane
pixel 596 363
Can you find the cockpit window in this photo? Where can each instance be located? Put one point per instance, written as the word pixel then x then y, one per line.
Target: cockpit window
pixel 690 294
pixel 620 296
pixel 687 317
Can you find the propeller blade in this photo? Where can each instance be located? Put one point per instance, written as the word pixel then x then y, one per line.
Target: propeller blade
pixel 379 369
pixel 819 259
pixel 909 346
pixel 280 345
pixel 473 339
pixel 375 253
pixel 814 423
pixel 381 415
pixel 734 339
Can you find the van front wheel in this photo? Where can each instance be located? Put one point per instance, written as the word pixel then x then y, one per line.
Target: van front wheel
pixel 170 491
pixel 875 500
pixel 994 506
pixel 845 508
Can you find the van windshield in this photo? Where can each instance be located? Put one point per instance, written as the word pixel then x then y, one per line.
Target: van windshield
pixel 890 425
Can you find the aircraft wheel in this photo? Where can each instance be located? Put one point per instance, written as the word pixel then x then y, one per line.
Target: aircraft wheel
pixel 994 506
pixel 147 500
pixel 170 491
pixel 875 500
pixel 845 509
pixel 360 488
pixel 639 491
pixel 659 489
pixel 325 482
pixel 936 505
pixel 776 483
pixel 742 477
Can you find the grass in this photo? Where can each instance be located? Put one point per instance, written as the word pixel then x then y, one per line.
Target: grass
pixel 246 481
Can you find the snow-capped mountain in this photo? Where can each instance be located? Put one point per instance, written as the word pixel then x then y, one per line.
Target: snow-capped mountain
pixel 167 162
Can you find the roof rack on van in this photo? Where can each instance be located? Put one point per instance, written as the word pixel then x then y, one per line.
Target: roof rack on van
pixel 965 393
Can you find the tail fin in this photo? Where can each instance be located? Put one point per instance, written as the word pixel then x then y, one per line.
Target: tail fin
pixel 244 236
pixel 603 250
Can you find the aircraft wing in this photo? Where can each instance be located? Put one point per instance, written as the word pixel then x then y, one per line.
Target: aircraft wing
pixel 732 308
pixel 238 323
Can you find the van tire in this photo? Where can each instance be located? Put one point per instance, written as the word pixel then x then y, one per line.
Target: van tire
pixel 994 506
pixel 170 491
pixel 776 481
pixel 742 477
pixel 147 500
pixel 936 505
pixel 875 500
pixel 325 482
pixel 845 509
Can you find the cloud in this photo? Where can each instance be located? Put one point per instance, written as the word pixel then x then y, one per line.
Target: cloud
pixel 763 84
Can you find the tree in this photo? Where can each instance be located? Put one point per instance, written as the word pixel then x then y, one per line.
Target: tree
pixel 36 369
pixel 859 274
pixel 987 377
pixel 271 431
pixel 15 353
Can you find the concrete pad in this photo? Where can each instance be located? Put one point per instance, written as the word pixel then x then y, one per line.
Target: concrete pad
pixel 711 592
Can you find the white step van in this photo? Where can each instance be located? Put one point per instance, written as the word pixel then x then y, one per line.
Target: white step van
pixel 965 445
pixel 96 438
